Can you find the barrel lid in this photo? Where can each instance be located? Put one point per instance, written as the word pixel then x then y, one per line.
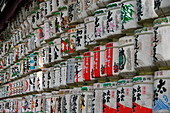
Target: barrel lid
pixel 110 85
pixel 162 74
pixel 71 30
pixel 63 63
pixel 76 90
pixel 124 82
pixel 99 48
pixel 64 35
pixel 79 58
pixel 54 93
pixel 57 66
pixel 143 30
pixel 143 79
pixel 127 40
pixel 97 85
pixel 87 88
pixel 80 26
pixel 50 43
pixel 70 60
pixel 88 54
pixel 161 21
pixel 100 11
pixel 57 13
pixel 113 5
pixel 62 8
pixel 89 19
pixel 112 45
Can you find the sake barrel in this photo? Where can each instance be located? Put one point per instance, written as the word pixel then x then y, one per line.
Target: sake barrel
pixel 34 20
pixel 62 2
pixel 145 9
pixel 60 102
pixel 143 94
pixel 100 24
pixel 161 92
pixel 109 97
pixel 129 14
pixel 38 104
pixel 66 100
pixel 64 17
pixel 54 6
pixel 42 10
pixel 38 83
pixel 98 97
pixel 54 99
pixel 161 7
pixel 124 96
pixel 99 61
pixel 89 31
pixel 75 100
pixel 51 23
pixel 80 37
pixel 114 23
pixel 126 55
pixel 88 66
pixel 57 23
pixel 56 50
pixel 46 102
pixel 143 46
pixel 46 30
pixel 90 6
pixel 32 82
pixel 70 77
pixel 64 45
pixel 47 8
pixel 49 52
pixel 38 16
pixel 160 45
pixel 63 73
pixel 78 70
pixel 81 10
pixel 112 59
pixel 57 71
pixel 72 14
pixel 86 99
pixel 72 41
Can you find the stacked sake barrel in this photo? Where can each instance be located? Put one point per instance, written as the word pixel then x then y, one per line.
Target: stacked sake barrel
pixel 52 48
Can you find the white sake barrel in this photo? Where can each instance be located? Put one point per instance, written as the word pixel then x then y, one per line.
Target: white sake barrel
pixel 47 8
pixel 70 77
pixel 64 45
pixel 42 11
pixel 54 99
pixel 124 96
pixel 38 106
pixel 50 52
pixel 100 20
pixel 72 14
pixel 64 18
pixel 34 20
pixel 56 50
pixel 72 41
pixel 78 70
pixel 98 97
pixel 114 23
pixel 160 45
pixel 89 31
pixel 81 10
pixel 80 37
pixel 110 97
pixel 143 94
pixel 38 83
pixel 162 7
pixel 145 9
pixel 54 6
pixel 126 55
pixel 46 30
pixel 57 71
pixel 90 6
pixel 88 66
pixel 99 61
pixel 161 92
pixel 129 14
pixel 51 22
pixel 66 100
pixel 46 102
pixel 144 46
pixel 60 102
pixel 63 73
pixel 86 99
pixel 112 59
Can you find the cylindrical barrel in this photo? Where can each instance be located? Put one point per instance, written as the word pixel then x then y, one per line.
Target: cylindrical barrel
pixel 80 37
pixel 63 73
pixel 56 50
pixel 89 31
pixel 145 9
pixel 57 71
pixel 90 6
pixel 70 77
pixel 88 66
pixel 57 23
pixel 46 102
pixel 38 105
pixel 100 24
pixel 72 41
pixel 161 92
pixel 66 100
pixel 81 10
pixel 144 46
pixel 99 61
pixel 126 55
pixel 78 70
pixel 160 45
pixel 129 14
pixel 143 94
pixel 124 96
pixel 112 59
pixel 72 14
pixel 64 45
pixel 114 23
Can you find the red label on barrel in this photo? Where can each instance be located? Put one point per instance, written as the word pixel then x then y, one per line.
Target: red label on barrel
pixel 96 62
pixel 86 69
pixel 109 59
